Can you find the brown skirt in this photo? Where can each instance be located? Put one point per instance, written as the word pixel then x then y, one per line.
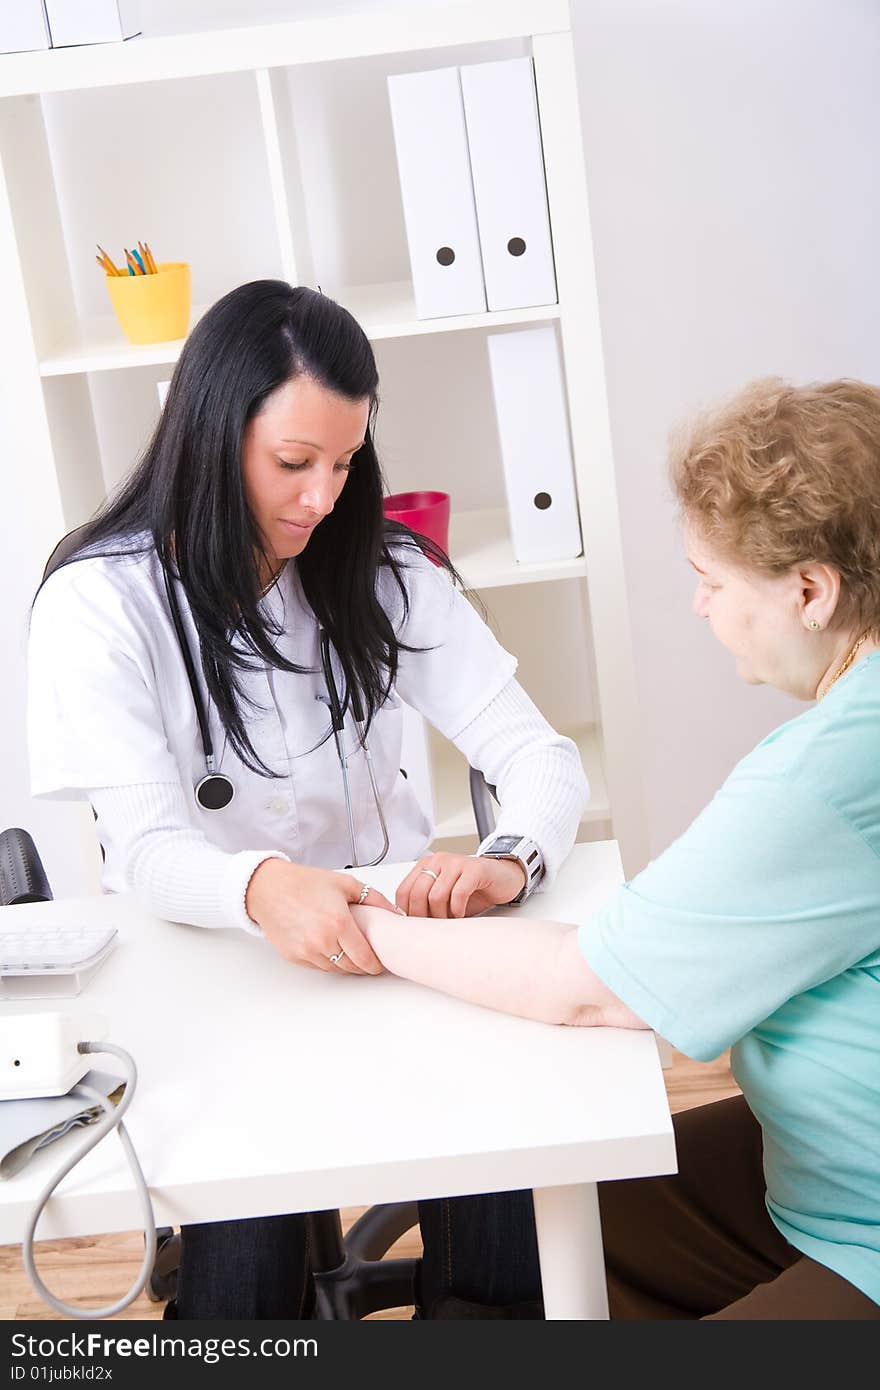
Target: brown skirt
pixel 701 1244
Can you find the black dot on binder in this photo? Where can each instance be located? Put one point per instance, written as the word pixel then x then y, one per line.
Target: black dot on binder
pixel 516 246
pixel 542 501
pixel 446 255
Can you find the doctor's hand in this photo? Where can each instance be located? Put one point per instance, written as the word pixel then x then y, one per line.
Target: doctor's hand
pixel 305 914
pixel 458 885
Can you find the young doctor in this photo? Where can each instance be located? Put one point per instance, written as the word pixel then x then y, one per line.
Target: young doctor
pixel 218 668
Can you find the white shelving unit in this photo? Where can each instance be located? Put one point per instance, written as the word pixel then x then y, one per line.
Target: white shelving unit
pixel 59 360
pixel 384 311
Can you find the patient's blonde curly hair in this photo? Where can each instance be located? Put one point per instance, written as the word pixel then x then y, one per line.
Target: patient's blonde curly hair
pixel 783 474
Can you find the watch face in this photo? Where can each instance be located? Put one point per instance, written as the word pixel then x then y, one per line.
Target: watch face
pixel 504 844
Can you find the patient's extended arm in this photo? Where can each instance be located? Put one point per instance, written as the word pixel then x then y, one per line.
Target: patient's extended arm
pixel 514 964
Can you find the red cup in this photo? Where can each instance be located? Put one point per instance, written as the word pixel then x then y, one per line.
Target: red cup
pixel 424 512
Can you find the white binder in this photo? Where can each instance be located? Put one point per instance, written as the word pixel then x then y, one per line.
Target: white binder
pixel 92 21
pixel 507 166
pixel 437 193
pixel 535 444
pixel 23 26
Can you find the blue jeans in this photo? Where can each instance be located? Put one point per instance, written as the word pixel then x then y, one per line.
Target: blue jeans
pixel 480 1260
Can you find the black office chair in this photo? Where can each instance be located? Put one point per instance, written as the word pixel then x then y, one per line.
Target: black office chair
pixel 352 1279
pixel 22 876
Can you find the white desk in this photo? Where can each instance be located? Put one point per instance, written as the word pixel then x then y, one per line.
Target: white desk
pixel 264 1088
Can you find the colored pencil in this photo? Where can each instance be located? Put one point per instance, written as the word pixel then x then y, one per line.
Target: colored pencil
pixel 109 262
pixel 139 262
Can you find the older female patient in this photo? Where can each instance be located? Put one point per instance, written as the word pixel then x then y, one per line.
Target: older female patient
pixel 759 929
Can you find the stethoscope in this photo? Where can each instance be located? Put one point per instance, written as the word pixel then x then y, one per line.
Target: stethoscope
pixel 337 720
pixel 215 790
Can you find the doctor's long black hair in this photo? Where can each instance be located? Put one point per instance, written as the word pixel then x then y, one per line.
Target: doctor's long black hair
pixel 187 494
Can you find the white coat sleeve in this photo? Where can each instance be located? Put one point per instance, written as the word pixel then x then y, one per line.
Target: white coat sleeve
pixel 169 865
pixel 537 773
pixel 464 685
pixel 462 666
pixel 93 716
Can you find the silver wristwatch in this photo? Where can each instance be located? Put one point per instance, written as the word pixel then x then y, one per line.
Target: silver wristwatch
pixel 525 852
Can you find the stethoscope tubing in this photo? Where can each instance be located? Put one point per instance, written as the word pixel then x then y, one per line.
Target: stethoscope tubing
pixel 337 716
pixel 215 790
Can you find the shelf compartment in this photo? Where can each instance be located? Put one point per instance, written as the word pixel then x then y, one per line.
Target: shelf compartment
pixel 384 311
pixel 314 39
pixel 454 817
pixel 389 311
pixel 482 552
pixel 97 345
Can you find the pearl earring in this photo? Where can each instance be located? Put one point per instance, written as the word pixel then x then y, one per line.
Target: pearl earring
pixel 814 625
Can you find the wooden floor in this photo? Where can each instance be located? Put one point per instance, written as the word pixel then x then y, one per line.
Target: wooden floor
pixel 94 1271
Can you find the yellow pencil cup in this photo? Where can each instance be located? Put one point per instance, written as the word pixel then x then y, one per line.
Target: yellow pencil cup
pixel 153 308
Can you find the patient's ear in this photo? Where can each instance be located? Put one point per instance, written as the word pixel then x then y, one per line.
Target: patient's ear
pixel 818 594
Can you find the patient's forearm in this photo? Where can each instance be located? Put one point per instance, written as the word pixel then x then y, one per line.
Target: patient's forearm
pixel 514 964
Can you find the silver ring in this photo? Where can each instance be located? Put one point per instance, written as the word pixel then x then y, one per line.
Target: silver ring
pixel 334 960
pixel 364 891
pixel 430 873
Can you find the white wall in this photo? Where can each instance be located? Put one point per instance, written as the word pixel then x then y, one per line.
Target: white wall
pixel 732 160
pixel 735 219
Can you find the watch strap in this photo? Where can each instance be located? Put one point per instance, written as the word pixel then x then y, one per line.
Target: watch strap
pixel 523 851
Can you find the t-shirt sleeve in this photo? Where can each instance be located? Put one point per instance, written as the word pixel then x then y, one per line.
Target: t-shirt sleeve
pixel 770 893
pixel 93 716
pixel 463 666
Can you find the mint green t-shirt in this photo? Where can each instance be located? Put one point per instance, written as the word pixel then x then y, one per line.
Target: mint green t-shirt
pixel 759 929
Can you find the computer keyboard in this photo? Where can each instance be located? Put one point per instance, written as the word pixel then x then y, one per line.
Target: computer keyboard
pixel 50 962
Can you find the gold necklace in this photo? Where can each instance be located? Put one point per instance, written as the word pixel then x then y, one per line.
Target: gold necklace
pixel 274 580
pixel 848 661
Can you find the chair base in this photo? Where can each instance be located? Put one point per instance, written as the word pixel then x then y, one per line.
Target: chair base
pixel 351 1277
pixel 359 1287
pixel 162 1284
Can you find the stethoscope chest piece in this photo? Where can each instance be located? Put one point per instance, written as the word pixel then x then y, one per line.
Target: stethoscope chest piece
pixel 214 792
